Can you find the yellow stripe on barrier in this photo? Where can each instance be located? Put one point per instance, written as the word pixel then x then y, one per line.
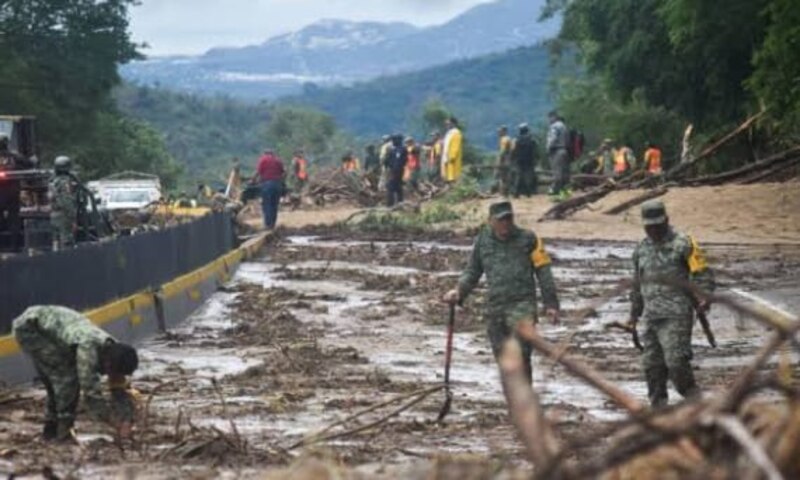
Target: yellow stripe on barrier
pixel 182 211
pixel 129 306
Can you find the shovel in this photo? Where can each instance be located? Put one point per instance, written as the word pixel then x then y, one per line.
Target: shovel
pixel 448 356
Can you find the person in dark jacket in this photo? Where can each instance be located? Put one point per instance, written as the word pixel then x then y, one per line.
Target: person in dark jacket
pixel 523 162
pixel 395 165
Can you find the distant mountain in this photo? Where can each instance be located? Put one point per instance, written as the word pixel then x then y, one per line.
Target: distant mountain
pixel 333 52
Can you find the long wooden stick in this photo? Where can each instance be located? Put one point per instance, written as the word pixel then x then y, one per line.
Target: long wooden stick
pixel 317 439
pixel 525 409
pixel 709 151
pixel 361 413
pixel 639 199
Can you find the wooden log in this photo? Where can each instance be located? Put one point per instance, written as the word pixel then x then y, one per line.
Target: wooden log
pixel 639 199
pixel 731 175
pixel 771 172
pixel 525 409
pixel 709 151
pixel 568 207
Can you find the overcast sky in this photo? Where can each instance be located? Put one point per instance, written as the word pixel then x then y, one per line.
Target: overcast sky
pixel 193 26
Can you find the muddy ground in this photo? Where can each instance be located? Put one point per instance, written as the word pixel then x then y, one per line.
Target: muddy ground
pixel 326 325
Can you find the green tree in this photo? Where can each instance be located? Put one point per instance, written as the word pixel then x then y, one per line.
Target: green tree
pixel 776 79
pixel 291 128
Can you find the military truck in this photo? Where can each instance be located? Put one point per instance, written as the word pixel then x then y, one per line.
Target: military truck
pixel 24 202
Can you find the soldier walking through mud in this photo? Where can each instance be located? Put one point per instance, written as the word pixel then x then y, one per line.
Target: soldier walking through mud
pixel 63 194
pixel 666 310
pixel 514 260
pixel 70 355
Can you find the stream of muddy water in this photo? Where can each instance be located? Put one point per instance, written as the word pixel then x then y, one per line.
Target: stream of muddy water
pixel 322 327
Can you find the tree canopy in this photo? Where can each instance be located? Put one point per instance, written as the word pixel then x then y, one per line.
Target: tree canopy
pixel 59 61
pixel 700 61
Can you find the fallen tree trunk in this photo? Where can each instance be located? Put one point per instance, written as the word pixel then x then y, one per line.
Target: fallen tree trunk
pixel 771 172
pixel 639 199
pixel 711 150
pixel 568 207
pixel 760 165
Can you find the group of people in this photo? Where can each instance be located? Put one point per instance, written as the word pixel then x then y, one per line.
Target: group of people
pixel 401 161
pixel 518 157
pixel 515 261
pixel 618 159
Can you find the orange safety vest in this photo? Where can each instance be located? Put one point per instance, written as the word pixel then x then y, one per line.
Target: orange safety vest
pixel 350 165
pixel 652 160
pixel 300 165
pixel 620 162
pixel 412 164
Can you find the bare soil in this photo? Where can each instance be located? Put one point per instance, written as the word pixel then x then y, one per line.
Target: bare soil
pixel 767 213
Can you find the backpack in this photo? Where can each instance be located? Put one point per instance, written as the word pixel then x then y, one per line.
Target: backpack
pixel 575 144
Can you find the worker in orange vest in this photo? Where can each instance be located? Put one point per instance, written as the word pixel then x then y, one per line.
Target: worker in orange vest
pixel 652 159
pixel 350 163
pixel 413 164
pixel 300 168
pixel 624 160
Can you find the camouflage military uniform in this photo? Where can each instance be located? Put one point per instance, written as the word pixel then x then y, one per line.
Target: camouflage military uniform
pixel 512 268
pixel 64 346
pixel 64 210
pixel 667 311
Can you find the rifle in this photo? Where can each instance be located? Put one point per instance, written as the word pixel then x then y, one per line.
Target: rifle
pixel 701 316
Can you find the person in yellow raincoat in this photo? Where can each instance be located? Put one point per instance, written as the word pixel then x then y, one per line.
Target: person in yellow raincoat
pixel 453 152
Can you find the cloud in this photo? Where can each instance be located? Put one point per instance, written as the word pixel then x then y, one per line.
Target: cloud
pixel 194 26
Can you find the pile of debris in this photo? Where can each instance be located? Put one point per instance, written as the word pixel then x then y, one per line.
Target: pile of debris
pixel 726 436
pixel 336 186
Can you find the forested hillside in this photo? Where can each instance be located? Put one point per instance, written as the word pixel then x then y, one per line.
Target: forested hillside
pixel 506 88
pixel 206 133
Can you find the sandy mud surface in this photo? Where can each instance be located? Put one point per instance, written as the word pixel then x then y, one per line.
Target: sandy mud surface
pixel 324 326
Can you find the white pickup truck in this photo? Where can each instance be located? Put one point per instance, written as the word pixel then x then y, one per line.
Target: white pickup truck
pixel 126 191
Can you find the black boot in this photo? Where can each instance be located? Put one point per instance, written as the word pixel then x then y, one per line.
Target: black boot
pixel 50 430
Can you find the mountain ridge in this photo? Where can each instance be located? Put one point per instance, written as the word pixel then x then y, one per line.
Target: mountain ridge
pixel 342 52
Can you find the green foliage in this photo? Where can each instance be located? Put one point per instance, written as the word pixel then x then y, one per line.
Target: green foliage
pixel 466 188
pixel 431 215
pixel 315 132
pixel 589 107
pixel 506 88
pixel 59 61
pixel 205 133
pixel 667 62
pixel 776 79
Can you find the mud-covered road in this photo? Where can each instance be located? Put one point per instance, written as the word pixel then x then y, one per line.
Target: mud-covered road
pixel 322 327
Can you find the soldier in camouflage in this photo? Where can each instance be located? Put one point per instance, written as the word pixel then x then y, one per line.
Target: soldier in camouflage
pixel 666 310
pixel 63 204
pixel 70 355
pixel 513 260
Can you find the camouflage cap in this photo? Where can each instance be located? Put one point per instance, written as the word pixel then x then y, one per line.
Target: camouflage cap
pixel 654 213
pixel 500 210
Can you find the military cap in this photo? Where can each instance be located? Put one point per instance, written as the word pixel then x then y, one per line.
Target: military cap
pixel 500 210
pixel 654 213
